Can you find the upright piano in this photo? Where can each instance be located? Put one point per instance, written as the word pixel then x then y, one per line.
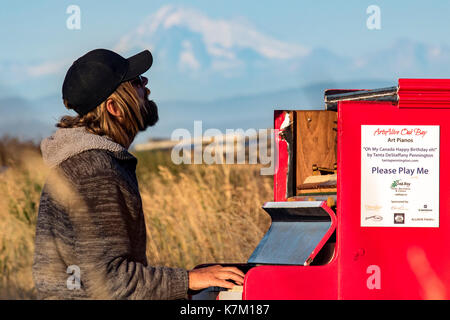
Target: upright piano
pixel 361 209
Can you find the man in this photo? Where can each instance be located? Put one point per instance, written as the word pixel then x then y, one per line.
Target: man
pixel 90 233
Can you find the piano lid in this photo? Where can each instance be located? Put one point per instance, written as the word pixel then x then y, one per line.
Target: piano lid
pixel 298 231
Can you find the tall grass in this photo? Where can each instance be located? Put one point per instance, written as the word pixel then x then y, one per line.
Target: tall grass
pixel 21 182
pixel 195 213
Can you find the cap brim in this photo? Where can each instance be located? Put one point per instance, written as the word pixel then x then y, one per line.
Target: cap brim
pixel 138 64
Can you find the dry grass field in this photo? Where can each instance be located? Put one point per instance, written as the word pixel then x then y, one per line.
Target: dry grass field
pixel 195 213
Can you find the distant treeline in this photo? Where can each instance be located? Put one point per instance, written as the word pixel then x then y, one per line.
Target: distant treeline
pixel 11 149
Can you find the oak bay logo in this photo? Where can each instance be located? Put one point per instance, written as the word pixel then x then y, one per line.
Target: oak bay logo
pixel 394 184
pixel 400 184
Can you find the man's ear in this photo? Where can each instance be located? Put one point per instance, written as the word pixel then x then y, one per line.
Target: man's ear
pixel 112 108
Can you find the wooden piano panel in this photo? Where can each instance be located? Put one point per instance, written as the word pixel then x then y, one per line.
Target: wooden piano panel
pixel 315 141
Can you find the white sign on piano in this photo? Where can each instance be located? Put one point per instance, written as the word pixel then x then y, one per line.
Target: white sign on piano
pixel 399 176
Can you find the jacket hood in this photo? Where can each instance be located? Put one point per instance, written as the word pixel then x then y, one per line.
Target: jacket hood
pixel 67 142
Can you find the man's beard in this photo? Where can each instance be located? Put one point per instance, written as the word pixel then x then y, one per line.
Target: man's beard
pixel 149 114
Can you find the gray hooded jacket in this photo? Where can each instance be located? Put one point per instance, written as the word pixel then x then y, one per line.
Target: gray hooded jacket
pixel 90 232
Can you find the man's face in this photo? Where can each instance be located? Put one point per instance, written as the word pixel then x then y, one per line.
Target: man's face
pixel 139 84
pixel 150 112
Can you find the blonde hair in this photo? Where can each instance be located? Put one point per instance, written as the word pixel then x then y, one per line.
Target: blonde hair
pixel 99 121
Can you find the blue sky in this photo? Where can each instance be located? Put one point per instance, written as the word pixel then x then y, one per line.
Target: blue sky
pixel 36 29
pixel 37 47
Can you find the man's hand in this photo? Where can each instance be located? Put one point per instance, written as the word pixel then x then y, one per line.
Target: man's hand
pixel 215 276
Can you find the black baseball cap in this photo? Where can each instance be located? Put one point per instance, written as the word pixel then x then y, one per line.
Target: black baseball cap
pixel 93 77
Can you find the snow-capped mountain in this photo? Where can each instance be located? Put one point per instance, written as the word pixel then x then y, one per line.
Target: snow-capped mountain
pixel 222 40
pixel 203 55
pixel 208 58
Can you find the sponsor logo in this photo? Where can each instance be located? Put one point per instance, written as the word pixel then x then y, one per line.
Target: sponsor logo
pixel 399 218
pixel 375 218
pixel 425 208
pixel 373 208
pixel 394 184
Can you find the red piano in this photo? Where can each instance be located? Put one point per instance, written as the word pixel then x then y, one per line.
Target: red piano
pixel 361 209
